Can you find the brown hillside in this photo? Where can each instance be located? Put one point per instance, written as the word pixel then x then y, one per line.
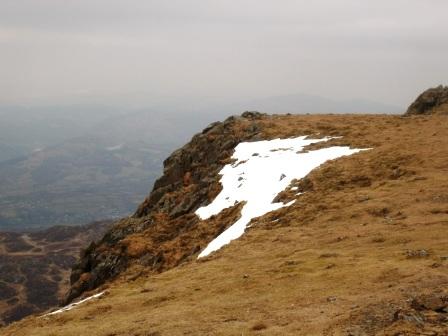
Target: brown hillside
pixel 364 251
pixel 35 267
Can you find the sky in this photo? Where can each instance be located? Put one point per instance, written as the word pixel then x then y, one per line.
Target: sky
pixel 128 51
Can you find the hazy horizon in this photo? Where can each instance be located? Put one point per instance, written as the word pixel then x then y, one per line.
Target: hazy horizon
pixel 144 53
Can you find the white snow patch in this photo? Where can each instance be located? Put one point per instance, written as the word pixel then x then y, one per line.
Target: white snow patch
pixel 73 305
pixel 262 170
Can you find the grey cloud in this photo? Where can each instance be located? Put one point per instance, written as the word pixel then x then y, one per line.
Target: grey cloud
pixel 62 50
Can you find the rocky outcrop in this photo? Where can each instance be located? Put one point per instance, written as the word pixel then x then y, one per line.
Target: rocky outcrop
pixel 164 231
pixel 432 101
pixel 193 168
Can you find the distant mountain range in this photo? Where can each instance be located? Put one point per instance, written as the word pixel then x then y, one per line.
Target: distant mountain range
pixel 27 129
pixel 303 104
pixel 76 164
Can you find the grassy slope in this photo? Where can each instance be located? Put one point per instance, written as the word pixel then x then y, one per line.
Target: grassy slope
pixel 345 256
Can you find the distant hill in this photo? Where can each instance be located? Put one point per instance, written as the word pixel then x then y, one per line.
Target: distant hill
pixel 312 104
pixel 76 182
pixel 102 173
pixel 26 129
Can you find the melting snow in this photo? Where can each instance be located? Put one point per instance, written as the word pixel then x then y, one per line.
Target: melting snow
pixel 262 170
pixel 73 305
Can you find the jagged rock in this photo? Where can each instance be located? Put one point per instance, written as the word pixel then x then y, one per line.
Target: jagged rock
pixel 410 316
pixel 201 158
pixel 252 115
pixel 432 101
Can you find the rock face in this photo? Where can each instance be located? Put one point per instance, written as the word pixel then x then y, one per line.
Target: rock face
pixel 164 230
pixel 432 101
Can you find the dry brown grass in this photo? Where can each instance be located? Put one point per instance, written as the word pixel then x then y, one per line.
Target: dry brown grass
pixel 337 260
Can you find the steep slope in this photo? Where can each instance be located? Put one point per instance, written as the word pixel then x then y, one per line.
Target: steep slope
pixel 164 230
pixel 362 250
pixel 35 267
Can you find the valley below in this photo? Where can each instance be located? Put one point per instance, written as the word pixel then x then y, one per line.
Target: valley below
pixel 35 267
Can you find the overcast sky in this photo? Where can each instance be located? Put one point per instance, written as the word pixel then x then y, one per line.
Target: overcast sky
pixel 66 51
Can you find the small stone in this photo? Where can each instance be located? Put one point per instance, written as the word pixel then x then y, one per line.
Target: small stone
pixel 363 198
pixel 417 253
pixel 331 299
